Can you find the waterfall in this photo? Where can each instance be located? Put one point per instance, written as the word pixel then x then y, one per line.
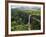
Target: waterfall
pixel 29 25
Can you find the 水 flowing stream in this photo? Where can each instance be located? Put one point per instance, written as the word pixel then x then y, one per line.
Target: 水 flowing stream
pixel 29 25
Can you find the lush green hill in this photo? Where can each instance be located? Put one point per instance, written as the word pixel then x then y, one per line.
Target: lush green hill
pixel 19 19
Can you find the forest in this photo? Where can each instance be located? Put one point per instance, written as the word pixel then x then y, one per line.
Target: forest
pixel 22 20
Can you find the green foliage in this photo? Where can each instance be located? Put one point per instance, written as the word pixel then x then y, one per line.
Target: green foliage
pixel 19 19
pixel 33 12
pixel 35 25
